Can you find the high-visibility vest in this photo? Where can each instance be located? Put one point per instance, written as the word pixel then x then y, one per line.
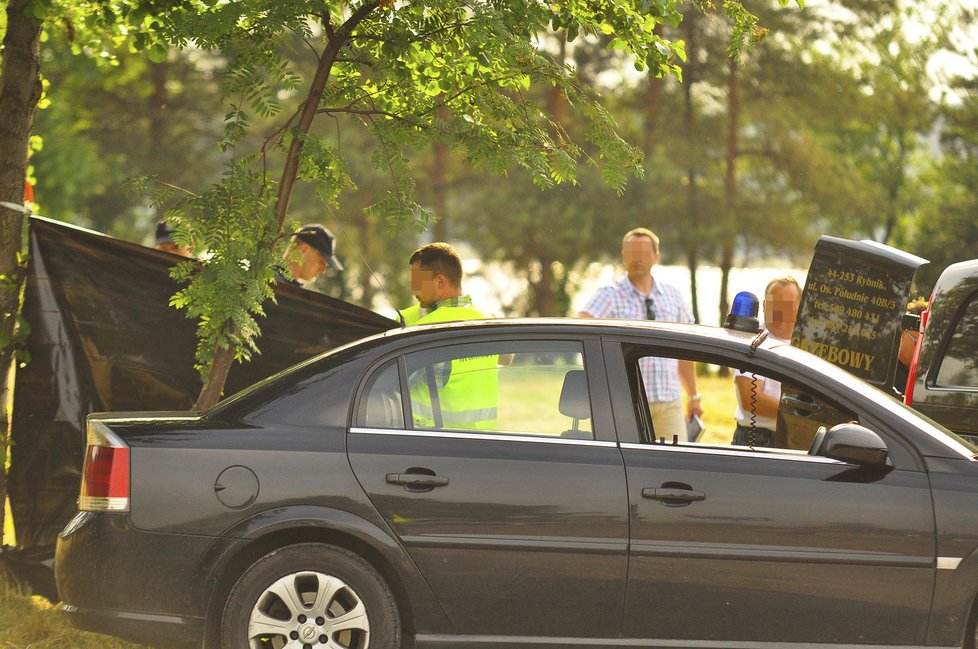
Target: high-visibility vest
pixel 412 315
pixel 468 390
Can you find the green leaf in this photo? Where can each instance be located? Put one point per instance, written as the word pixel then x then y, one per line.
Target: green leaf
pixel 157 53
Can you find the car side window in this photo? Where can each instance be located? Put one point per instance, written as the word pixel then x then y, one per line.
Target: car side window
pixel 742 407
pixel 959 367
pixel 536 388
pixel 382 407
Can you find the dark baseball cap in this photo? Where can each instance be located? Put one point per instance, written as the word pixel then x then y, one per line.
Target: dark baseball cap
pixel 164 233
pixel 322 240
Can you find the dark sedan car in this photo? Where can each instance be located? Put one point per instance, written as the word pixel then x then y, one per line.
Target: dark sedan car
pixel 501 484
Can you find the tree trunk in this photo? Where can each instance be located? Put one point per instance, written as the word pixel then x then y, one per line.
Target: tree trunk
pixel 210 393
pixel 893 192
pixel 366 279
pixel 439 180
pixel 731 224
pixel 691 231
pixel 726 262
pixel 653 93
pixel 20 90
pixel 692 262
pixel 156 107
pixel 544 303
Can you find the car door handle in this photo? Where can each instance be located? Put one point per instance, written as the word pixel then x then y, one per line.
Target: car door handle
pixel 416 480
pixel 677 495
pixel 800 404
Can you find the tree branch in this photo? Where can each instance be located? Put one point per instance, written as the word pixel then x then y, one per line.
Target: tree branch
pixel 418 37
pixel 466 90
pixel 308 112
pixel 368 111
pixel 278 132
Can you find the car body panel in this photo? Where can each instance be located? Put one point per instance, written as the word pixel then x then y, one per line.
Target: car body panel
pixel 534 532
pixel 778 545
pixel 116 579
pixel 955 491
pixel 550 542
pixel 780 540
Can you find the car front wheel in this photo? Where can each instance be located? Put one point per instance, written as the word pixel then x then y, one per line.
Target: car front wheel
pixel 310 596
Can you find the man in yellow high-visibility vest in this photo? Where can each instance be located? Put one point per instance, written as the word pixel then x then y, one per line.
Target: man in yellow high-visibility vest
pixel 436 282
pixel 466 392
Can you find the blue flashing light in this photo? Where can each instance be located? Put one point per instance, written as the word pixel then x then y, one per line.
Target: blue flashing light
pixel 743 313
pixel 745 304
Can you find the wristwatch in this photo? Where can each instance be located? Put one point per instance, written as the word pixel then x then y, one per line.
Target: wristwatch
pixel 695 397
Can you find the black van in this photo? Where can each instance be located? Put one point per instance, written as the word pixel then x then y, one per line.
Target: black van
pixel 943 381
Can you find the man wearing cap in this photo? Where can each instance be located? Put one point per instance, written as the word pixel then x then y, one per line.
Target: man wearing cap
pixel 639 296
pixel 315 245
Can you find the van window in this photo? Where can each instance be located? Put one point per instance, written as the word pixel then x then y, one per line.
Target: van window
pixel 959 367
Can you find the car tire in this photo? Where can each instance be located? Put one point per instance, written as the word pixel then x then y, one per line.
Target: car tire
pixel 310 593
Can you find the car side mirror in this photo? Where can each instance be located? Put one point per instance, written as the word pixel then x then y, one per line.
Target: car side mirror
pixel 855 444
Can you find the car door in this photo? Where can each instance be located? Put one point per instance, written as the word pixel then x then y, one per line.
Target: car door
pixel 519 523
pixel 769 545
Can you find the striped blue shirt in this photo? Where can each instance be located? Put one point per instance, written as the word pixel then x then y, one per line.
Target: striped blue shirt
pixel 623 300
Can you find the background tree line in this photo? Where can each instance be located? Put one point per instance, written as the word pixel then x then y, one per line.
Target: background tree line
pixel 835 123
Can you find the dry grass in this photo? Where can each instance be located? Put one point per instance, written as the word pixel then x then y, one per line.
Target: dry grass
pixel 30 622
pixel 719 406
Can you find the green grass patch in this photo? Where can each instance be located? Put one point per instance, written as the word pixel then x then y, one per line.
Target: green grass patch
pixel 30 622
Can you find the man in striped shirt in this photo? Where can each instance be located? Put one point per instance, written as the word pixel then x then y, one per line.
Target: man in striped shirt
pixel 639 296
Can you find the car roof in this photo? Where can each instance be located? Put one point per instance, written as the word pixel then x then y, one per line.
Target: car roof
pixel 594 325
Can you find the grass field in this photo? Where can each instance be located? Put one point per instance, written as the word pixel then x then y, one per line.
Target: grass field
pixel 719 406
pixel 528 398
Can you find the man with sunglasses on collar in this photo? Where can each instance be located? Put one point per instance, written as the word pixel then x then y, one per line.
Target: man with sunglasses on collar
pixel 639 296
pixel 463 391
pixel 436 282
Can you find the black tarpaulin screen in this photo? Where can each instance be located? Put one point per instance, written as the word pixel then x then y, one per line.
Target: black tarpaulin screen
pixel 103 338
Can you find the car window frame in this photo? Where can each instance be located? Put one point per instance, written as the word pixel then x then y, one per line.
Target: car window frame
pixel 764 362
pixel 593 363
pixel 942 353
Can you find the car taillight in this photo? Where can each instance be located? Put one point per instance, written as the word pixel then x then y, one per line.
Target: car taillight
pixel 912 371
pixel 105 478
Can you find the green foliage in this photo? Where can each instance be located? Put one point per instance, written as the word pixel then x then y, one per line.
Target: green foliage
pixel 410 74
pixel 407 74
pixel 107 122
pixel 945 230
pixel 232 230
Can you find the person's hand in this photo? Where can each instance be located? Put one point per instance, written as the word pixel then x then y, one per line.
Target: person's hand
pixel 693 407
